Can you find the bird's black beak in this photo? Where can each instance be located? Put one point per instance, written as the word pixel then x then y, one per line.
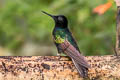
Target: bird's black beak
pixel 54 17
pixel 48 14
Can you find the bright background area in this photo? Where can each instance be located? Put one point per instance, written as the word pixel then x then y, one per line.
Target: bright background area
pixel 25 30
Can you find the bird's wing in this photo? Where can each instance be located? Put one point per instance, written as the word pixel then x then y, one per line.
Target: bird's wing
pixel 72 52
pixel 73 40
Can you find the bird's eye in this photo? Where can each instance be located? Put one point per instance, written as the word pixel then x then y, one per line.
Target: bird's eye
pixel 60 18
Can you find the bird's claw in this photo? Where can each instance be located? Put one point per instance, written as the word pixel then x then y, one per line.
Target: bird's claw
pixel 59 56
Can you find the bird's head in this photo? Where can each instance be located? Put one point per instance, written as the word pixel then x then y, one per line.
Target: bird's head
pixel 60 20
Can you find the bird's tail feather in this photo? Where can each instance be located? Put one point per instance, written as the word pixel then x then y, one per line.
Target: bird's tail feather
pixel 83 71
pixel 79 61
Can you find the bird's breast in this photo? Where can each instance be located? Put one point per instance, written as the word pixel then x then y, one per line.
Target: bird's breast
pixel 59 36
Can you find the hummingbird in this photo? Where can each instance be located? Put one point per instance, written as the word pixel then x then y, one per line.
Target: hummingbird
pixel 65 43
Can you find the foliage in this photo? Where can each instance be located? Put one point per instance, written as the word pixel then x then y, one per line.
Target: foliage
pixel 22 21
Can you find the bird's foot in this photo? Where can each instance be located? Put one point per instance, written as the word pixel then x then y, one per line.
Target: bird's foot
pixel 59 56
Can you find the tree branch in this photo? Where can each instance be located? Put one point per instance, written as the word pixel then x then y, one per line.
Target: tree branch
pixel 50 68
pixel 118 27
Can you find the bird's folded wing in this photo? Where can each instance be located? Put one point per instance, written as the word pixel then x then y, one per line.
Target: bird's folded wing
pixel 71 51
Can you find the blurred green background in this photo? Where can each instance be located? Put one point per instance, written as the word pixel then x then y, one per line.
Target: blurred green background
pixel 25 30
